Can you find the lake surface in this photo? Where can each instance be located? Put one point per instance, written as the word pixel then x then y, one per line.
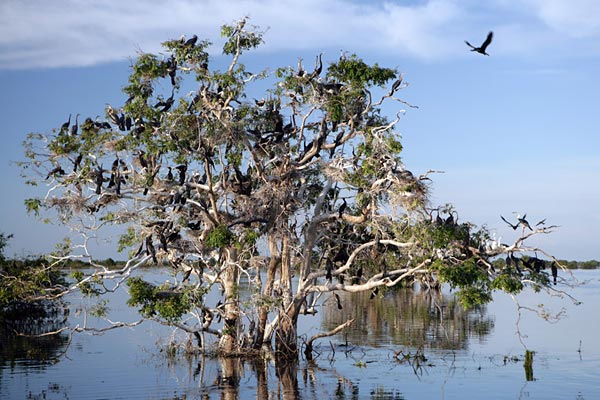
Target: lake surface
pixel 403 345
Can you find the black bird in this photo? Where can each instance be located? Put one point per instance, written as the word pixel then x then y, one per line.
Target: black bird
pixel 342 208
pixel 75 127
pixel 339 302
pixel 77 162
pixel 99 179
pixel 374 293
pixel 170 174
pixel 64 127
pixel 328 269
pixel 509 224
pixel 191 42
pixel 182 169
pixel 57 170
pixel 395 85
pixel 484 45
pixel 524 222
pixel 318 66
pixel 336 143
pixel 150 248
pixel 554 271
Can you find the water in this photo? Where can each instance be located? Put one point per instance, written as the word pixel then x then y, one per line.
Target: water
pixel 407 345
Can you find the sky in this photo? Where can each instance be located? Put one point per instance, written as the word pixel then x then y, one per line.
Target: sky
pixel 515 131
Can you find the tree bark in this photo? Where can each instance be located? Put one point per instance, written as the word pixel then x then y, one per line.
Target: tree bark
pixel 228 342
pixel 263 312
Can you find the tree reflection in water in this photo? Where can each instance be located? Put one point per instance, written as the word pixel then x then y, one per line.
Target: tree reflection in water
pixel 32 319
pixel 408 317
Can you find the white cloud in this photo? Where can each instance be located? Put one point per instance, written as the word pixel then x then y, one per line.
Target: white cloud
pixel 38 33
pixel 575 18
pixel 76 33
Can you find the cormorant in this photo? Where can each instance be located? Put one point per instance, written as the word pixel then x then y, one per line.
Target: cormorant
pixel 99 179
pixel 337 299
pixel 524 222
pixel 64 127
pixel 191 42
pixel 57 170
pixel 554 271
pixel 182 169
pixel 509 224
pixel 328 269
pixel 75 127
pixel 484 45
pixel 170 174
pixel 395 85
pixel 342 208
pixel 77 162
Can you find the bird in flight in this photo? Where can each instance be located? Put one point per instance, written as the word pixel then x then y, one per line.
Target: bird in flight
pixel 484 45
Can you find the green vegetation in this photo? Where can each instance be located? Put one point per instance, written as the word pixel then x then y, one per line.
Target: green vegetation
pixel 305 179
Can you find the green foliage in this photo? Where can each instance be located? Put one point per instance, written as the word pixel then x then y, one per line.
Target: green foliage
pixel 358 73
pixel 507 283
pixel 473 296
pixel 33 206
pixel 219 237
pixel 465 274
pixel 25 281
pixel 156 301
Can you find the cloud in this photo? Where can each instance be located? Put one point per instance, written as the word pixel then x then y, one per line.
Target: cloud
pixel 575 18
pixel 63 33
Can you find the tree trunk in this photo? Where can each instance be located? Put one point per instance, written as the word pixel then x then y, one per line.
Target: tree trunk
pixel 263 312
pixel 228 342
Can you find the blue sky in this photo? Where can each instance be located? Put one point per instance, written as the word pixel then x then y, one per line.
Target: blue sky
pixel 515 131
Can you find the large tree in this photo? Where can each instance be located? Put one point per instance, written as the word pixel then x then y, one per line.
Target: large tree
pixel 299 189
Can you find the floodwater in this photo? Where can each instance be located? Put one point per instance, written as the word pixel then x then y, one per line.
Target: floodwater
pixel 402 345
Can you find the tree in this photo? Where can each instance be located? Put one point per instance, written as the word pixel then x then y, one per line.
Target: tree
pixel 300 190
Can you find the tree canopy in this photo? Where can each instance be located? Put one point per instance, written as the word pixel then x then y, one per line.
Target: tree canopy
pixel 299 190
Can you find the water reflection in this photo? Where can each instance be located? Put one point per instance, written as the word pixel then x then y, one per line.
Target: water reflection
pixel 127 364
pixel 35 319
pixel 408 317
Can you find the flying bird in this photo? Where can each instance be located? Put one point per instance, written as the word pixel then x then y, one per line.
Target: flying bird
pixel 484 45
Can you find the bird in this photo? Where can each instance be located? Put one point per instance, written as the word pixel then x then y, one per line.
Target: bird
pixel 338 301
pixel 77 162
pixel 509 224
pixel 170 174
pixel 56 170
pixel 395 85
pixel 182 169
pixel 524 222
pixel 342 208
pixel 191 42
pixel 328 270
pixel 484 45
pixel 75 127
pixel 318 66
pixel 554 271
pixel 64 127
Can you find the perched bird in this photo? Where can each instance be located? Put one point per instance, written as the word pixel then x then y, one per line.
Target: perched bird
pixel 75 127
pixel 554 271
pixel 56 170
pixel 524 222
pixel 191 42
pixel 484 45
pixel 395 85
pixel 64 127
pixel 342 208
pixel 338 301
